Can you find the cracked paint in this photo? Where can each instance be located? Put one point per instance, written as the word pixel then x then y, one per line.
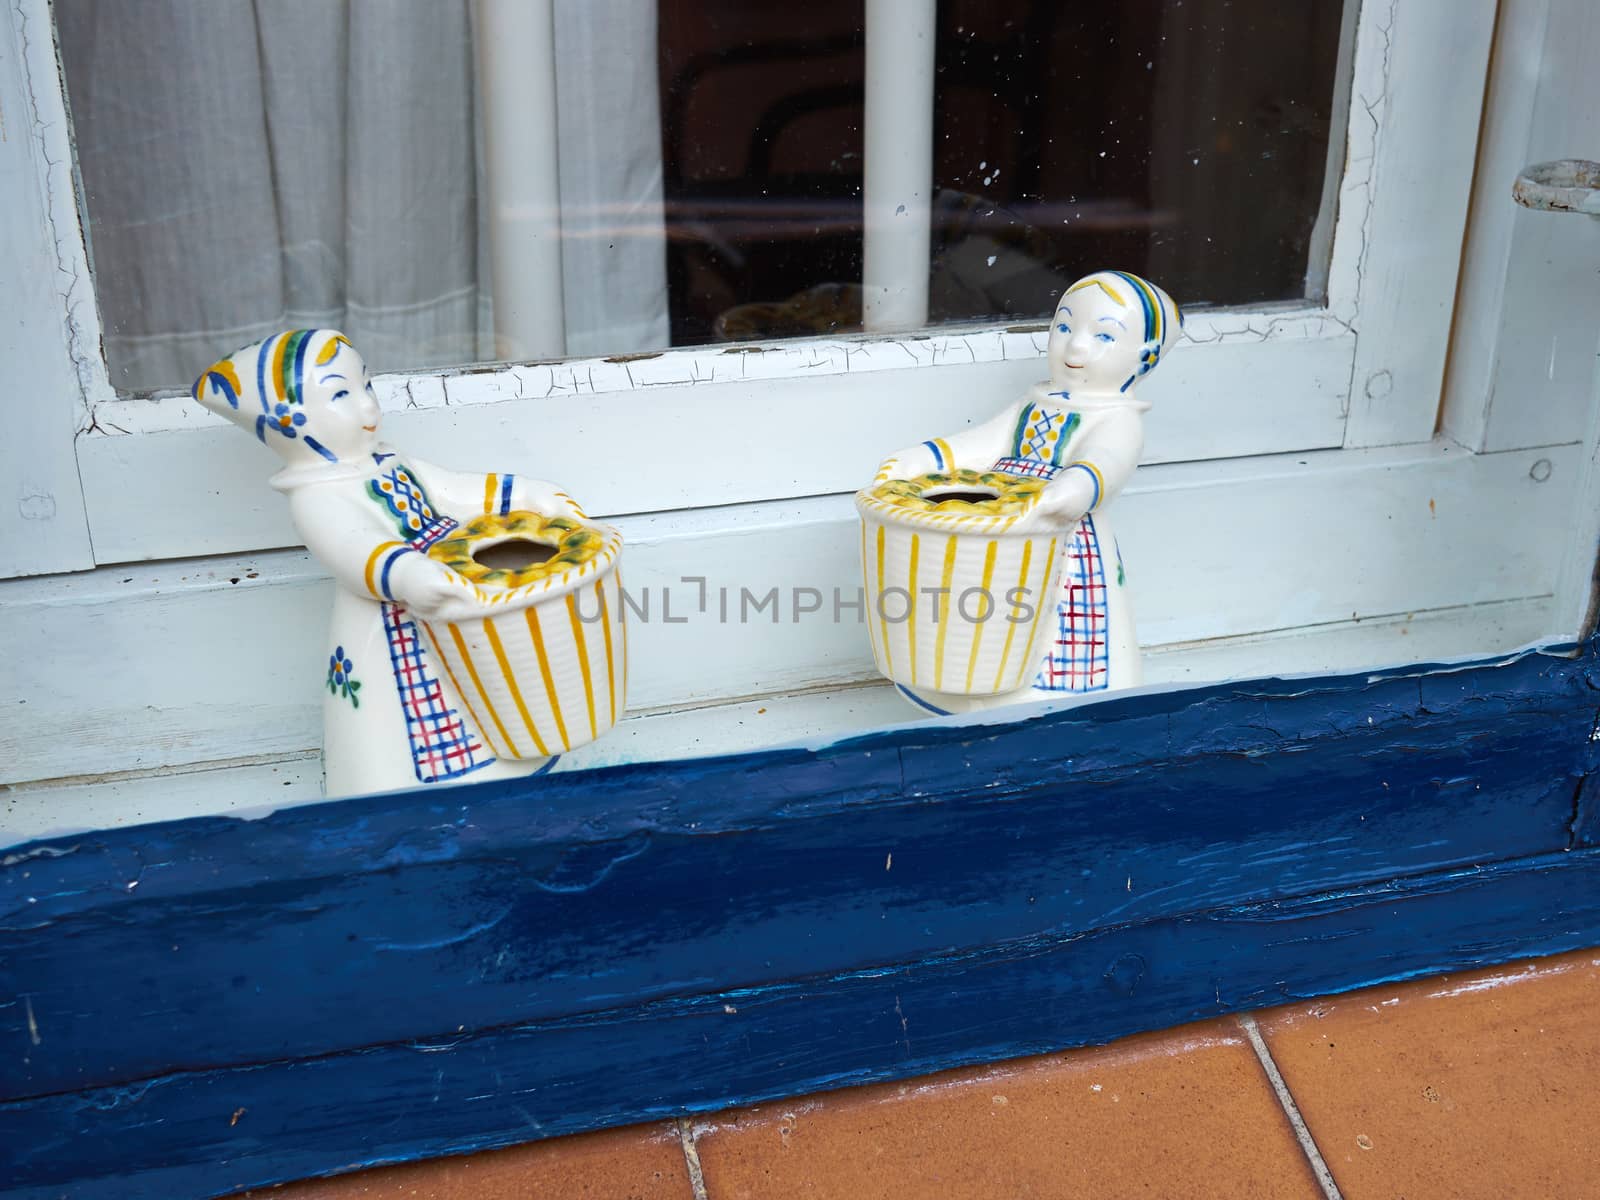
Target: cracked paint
pixel 811 359
pixel 1357 191
pixel 41 76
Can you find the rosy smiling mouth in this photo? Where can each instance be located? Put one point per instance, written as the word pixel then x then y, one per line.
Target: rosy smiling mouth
pixel 1076 366
pixel 370 428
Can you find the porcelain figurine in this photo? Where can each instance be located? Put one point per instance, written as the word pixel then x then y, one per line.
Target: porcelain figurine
pixel 1000 532
pixel 477 630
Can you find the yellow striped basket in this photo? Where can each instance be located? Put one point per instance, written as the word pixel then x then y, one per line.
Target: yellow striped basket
pixel 544 669
pixel 982 634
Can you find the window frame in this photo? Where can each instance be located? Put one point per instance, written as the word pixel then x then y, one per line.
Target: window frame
pixel 1357 370
pixel 47 321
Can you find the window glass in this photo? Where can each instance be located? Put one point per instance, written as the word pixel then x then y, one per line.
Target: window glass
pixel 254 164
pixel 1186 140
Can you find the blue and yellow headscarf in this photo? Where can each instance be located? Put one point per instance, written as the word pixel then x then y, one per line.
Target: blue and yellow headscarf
pixel 274 370
pixel 1162 320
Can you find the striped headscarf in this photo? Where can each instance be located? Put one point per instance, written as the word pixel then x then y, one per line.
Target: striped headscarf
pixel 1162 320
pixel 262 386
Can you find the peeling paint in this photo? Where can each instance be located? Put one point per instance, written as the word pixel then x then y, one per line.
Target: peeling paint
pixel 811 359
pixel 41 76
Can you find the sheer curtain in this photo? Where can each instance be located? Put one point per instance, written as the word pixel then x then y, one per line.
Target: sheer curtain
pixel 253 165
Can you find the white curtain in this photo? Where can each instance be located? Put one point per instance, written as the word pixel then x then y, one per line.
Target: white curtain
pixel 254 165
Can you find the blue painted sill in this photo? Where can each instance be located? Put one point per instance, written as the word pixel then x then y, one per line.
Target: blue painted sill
pixel 204 1005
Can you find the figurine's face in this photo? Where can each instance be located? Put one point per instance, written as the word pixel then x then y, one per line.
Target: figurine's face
pixel 304 393
pixel 1096 340
pixel 340 406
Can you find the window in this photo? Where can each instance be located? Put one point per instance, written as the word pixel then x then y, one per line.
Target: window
pixel 1293 482
pixel 1256 380
pixel 358 172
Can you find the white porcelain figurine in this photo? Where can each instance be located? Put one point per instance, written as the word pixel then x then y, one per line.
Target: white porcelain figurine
pixel 440 665
pixel 1014 510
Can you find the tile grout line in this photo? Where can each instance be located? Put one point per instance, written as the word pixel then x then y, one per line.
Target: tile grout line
pixel 691 1159
pixel 1308 1145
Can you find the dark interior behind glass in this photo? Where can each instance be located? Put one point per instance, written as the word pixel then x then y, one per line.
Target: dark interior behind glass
pixel 1183 139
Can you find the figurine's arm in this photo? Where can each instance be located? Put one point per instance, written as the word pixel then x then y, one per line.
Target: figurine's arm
pixel 463 494
pixel 1099 464
pixel 365 557
pixel 975 449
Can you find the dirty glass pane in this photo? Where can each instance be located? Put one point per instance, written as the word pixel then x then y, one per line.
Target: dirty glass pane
pixel 250 165
pixel 1186 140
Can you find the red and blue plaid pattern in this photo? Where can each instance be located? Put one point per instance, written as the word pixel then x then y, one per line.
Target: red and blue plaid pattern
pixel 435 531
pixel 442 744
pixel 1080 658
pixel 1025 466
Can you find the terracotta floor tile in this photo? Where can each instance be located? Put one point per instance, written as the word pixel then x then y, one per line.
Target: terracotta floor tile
pixel 1184 1113
pixel 1468 1085
pixel 644 1162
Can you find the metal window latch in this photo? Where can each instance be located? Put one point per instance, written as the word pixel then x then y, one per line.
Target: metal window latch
pixel 1565 185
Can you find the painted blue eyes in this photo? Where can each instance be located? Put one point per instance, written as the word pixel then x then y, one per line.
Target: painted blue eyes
pixel 1099 337
pixel 340 394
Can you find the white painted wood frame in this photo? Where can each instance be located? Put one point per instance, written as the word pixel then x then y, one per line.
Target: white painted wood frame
pixel 1524 367
pixel 200 660
pixel 43 343
pixel 1420 73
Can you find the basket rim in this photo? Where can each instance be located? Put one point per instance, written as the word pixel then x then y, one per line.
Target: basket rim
pixel 496 600
pixel 890 514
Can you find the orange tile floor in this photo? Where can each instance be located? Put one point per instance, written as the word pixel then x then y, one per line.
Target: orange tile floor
pixel 1471 1085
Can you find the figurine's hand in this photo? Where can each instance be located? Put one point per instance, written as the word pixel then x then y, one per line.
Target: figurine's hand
pixel 566 506
pixel 1064 501
pixel 900 465
pixel 433 591
pixel 540 497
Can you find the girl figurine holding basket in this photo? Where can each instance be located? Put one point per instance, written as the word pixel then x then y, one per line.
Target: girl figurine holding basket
pixel 396 713
pixel 1082 432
